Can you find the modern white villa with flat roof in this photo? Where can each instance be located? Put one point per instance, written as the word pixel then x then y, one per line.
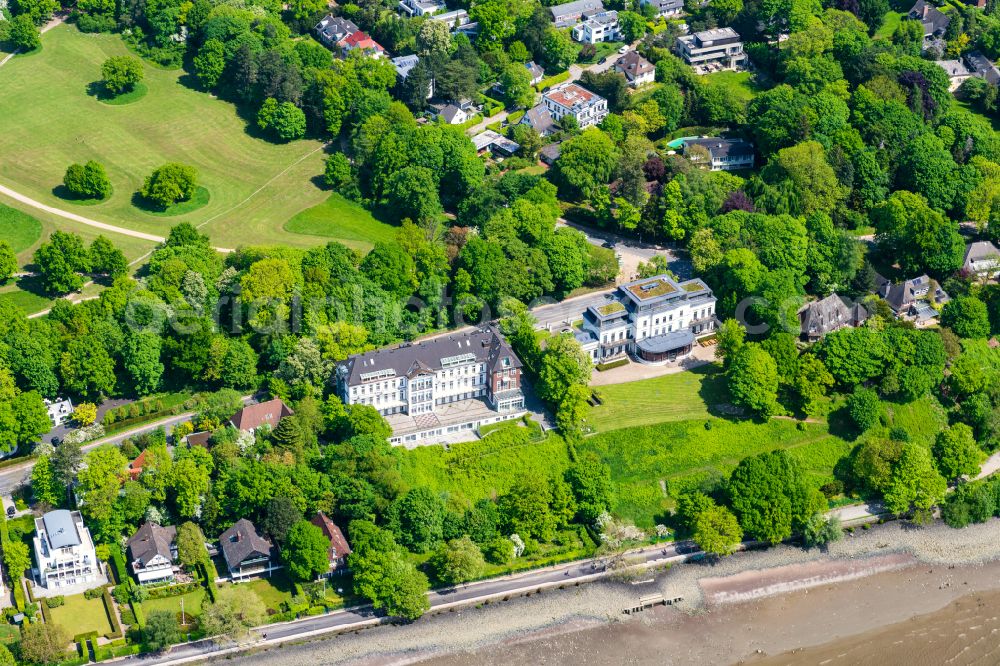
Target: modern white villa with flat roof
pixel 437 388
pixel 655 320
pixel 64 551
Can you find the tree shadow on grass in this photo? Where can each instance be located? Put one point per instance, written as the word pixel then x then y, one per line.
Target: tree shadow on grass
pixel 62 192
pixel 99 91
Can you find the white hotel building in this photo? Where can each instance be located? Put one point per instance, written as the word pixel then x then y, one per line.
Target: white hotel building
pixel 437 388
pixel 655 320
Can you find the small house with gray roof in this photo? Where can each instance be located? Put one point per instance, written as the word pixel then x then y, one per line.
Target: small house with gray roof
pixel 64 551
pixel 982 260
pixel 247 553
pixel 152 551
pixel 655 320
pixel 914 299
pixel 824 316
pixel 439 388
pixel 933 20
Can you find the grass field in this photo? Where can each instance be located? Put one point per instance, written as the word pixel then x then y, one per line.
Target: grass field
pixel 737 84
pixel 79 616
pixel 485 468
pixel 192 603
pixel 50 121
pixel 18 229
pixel 684 395
pixel 652 465
pixel 342 220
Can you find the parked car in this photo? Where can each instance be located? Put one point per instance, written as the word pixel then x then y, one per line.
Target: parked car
pixel 11 510
pixel 56 441
pixel 623 50
pixel 602 60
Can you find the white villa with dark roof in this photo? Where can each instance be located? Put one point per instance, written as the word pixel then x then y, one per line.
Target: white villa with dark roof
pixel 442 387
pixel 655 320
pixel 64 551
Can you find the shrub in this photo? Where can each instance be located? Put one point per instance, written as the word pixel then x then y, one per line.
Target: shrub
pixel 55 602
pixel 601 367
pixel 93 593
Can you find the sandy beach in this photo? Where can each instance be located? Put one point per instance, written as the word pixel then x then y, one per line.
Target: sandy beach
pixel 873 598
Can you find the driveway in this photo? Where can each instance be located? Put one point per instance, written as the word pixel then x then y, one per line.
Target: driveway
pixel 635 371
pixel 631 251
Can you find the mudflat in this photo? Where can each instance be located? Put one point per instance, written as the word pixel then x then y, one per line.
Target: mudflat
pixel 874 597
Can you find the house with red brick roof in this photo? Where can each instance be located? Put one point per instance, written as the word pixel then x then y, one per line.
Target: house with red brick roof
pixel 339 549
pixel 135 467
pixel 361 41
pixel 267 413
pixel 587 107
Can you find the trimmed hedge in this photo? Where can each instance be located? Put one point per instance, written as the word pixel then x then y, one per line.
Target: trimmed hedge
pixel 172 590
pixel 118 563
pixel 209 580
pixel 612 364
pixel 550 81
pixel 86 636
pixel 19 600
pixel 109 607
pixel 140 617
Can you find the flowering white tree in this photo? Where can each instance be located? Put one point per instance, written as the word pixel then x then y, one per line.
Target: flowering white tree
pixel 518 545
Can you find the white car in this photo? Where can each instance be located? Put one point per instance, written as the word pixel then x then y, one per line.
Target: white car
pixel 623 50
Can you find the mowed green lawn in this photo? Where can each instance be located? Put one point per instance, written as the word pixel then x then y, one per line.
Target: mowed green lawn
pixel 684 395
pixel 50 121
pixel 18 229
pixel 657 436
pixel 192 603
pixel 79 615
pixel 342 220
pixel 652 465
pixel 737 84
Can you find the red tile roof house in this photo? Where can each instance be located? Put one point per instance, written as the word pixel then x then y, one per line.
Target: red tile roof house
pixel 339 549
pixel 135 467
pixel 361 41
pixel 267 413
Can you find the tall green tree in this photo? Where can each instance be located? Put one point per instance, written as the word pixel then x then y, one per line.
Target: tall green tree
pixel 306 551
pixel 753 380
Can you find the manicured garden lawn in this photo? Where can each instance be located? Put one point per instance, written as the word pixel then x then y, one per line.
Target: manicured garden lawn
pixel 737 84
pixel 79 616
pixel 604 50
pixel 889 24
pixel 685 395
pixel 341 220
pixel 50 121
pixel 272 591
pixel 18 229
pixel 192 603
pixel 652 465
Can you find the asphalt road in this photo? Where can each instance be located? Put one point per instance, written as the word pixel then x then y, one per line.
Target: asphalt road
pixel 16 475
pixel 568 574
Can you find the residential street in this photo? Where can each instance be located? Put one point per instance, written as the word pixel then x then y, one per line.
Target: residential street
pixel 16 475
pixel 567 574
